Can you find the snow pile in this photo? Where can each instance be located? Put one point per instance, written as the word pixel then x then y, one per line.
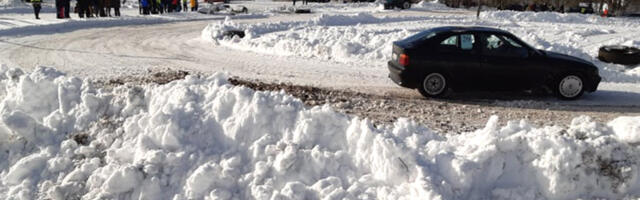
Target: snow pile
pixel 201 138
pixel 328 37
pixel 215 32
pixel 431 5
pixel 11 3
pixel 627 128
pixel 554 17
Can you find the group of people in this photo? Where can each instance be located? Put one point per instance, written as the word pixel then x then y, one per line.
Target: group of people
pixel 162 6
pixel 102 8
pixel 84 8
pixel 97 8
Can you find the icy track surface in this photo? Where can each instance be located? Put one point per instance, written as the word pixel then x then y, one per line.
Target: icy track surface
pixel 201 138
pixel 363 39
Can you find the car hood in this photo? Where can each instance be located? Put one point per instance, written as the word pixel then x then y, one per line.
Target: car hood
pixel 569 58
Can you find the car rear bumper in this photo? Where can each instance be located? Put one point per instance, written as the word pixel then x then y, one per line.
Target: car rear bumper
pixel 399 75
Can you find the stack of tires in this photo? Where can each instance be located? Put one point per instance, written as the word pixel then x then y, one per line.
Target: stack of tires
pixel 619 54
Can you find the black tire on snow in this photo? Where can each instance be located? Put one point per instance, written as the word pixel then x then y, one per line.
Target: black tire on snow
pixel 232 33
pixel 406 5
pixel 619 54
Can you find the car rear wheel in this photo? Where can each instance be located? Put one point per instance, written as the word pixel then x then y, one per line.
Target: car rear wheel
pixel 433 85
pixel 570 87
pixel 406 5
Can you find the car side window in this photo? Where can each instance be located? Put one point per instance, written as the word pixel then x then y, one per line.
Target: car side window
pixel 467 41
pixel 452 41
pixel 493 43
pixel 459 42
pixel 502 46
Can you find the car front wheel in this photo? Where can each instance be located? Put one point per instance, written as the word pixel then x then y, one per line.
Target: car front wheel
pixel 433 85
pixel 570 87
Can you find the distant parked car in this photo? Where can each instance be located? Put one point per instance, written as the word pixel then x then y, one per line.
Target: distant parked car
pixel 583 8
pixel 482 58
pixel 213 8
pixel 402 4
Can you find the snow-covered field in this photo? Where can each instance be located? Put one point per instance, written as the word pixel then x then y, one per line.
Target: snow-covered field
pixel 65 137
pixel 201 138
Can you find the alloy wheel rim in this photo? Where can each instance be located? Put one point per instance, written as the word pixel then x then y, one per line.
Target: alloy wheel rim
pixel 434 84
pixel 570 86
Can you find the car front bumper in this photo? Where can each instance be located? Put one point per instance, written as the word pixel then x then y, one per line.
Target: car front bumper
pixel 595 81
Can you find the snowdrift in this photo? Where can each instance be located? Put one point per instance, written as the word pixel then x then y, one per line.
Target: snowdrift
pixel 202 138
pixel 364 40
pixel 11 3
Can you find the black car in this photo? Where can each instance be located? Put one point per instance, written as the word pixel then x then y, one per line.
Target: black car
pixel 482 58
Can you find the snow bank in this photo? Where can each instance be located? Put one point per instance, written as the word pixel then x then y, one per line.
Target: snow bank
pixel 365 40
pixel 554 17
pixel 11 3
pixel 432 6
pixel 201 138
pixel 342 38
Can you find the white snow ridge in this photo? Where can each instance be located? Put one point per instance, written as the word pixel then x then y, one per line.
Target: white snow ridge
pixel 202 138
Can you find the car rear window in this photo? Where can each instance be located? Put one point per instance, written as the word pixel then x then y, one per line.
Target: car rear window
pixel 466 42
pixel 424 35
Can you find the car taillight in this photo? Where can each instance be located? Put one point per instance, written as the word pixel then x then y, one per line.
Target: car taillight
pixel 403 60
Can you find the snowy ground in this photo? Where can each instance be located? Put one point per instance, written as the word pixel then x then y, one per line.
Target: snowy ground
pixel 64 137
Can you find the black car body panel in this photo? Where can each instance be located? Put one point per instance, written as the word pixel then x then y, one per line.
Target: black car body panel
pixel 477 67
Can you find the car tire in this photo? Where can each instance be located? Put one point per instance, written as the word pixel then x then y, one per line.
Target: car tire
pixel 569 86
pixel 434 85
pixel 406 5
pixel 619 54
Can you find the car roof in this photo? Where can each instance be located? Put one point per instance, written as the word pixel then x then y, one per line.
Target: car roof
pixel 444 29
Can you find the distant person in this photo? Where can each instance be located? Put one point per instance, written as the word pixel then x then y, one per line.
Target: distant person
pixel 160 6
pixel 67 6
pixel 59 9
pixel 107 7
pixel 83 8
pixel 305 2
pixel 294 2
pixel 145 6
pixel 166 5
pixel 194 5
pixel 115 4
pixel 174 5
pixel 184 5
pixel 36 7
